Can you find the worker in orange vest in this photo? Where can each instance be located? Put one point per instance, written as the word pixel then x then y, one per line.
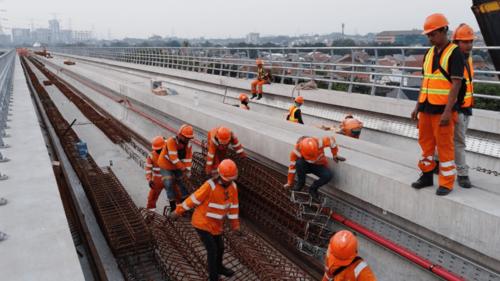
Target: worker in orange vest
pixel 443 71
pixel 219 139
pixel 308 157
pixel 294 113
pixel 153 175
pixel 342 262
pixel 263 78
pixel 215 200
pixel 351 127
pixel 244 101
pixel 464 38
pixel 176 159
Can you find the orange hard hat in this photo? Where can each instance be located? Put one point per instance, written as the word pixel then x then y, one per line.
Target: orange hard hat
pixel 309 149
pixel 223 135
pixel 434 22
pixel 186 131
pixel 259 62
pixel 243 97
pixel 352 123
pixel 157 143
pixel 343 248
pixel 299 99
pixel 463 32
pixel 227 170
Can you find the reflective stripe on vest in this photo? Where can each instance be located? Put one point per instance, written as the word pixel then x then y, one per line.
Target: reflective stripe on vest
pixel 291 113
pixel 469 99
pixel 435 87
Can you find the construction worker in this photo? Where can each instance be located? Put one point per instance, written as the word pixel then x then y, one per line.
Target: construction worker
pixel 294 113
pixel 216 199
pixel 244 102
pixel 219 139
pixel 443 71
pixel 263 77
pixel 464 38
pixel 176 159
pixel 153 175
pixel 342 262
pixel 308 157
pixel 351 127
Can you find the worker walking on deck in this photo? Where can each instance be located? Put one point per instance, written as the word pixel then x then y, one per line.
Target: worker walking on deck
pixel 176 159
pixel 342 262
pixel 351 127
pixel 443 71
pixel 215 200
pixel 294 112
pixel 308 157
pixel 464 38
pixel 244 101
pixel 153 175
pixel 263 78
pixel 219 140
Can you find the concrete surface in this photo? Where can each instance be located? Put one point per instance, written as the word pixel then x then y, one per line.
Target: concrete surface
pixel 39 246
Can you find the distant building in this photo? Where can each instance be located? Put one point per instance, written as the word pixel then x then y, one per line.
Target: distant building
pixel 54 31
pixel 42 35
pixel 253 38
pixel 66 36
pixel 5 39
pixel 21 36
pixel 82 36
pixel 401 37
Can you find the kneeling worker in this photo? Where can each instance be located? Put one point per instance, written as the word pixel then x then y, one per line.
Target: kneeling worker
pixel 216 199
pixel 342 262
pixel 308 156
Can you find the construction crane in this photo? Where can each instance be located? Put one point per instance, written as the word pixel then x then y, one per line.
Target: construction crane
pixel 487 14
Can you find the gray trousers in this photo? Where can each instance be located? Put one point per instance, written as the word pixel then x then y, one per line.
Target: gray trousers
pixel 460 131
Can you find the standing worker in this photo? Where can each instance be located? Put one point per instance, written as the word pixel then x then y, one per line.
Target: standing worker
pixel 351 127
pixel 294 113
pixel 263 78
pixel 176 159
pixel 153 175
pixel 216 199
pixel 464 38
pixel 443 71
pixel 244 102
pixel 219 139
pixel 308 156
pixel 342 262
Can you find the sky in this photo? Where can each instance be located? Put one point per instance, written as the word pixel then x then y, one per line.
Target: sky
pixel 230 18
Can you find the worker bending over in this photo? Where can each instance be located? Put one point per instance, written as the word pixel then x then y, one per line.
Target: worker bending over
pixel 464 38
pixel 294 113
pixel 443 71
pixel 308 157
pixel 244 102
pixel 153 175
pixel 219 140
pixel 176 159
pixel 263 77
pixel 342 262
pixel 351 127
pixel 215 200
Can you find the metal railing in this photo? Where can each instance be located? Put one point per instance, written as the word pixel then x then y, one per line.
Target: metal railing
pixel 381 71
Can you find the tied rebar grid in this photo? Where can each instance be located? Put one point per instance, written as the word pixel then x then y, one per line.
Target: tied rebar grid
pixel 120 220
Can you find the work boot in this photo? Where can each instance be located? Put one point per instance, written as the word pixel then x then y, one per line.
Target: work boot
pixel 253 96
pixel 464 181
pixel 315 195
pixel 425 180
pixel 226 271
pixel 442 191
pixel 260 96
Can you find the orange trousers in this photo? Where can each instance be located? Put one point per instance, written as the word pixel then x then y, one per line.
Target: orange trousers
pixel 154 193
pixel 257 86
pixel 432 136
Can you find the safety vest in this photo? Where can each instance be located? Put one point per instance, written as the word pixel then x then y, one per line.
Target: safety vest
pixel 468 99
pixel 218 150
pixel 261 75
pixel 213 203
pixel 151 167
pixel 175 155
pixel 291 114
pixel 435 86
pixel 358 270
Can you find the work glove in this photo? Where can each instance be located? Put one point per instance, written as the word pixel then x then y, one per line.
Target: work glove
pixel 287 185
pixel 338 159
pixel 173 215
pixel 150 183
